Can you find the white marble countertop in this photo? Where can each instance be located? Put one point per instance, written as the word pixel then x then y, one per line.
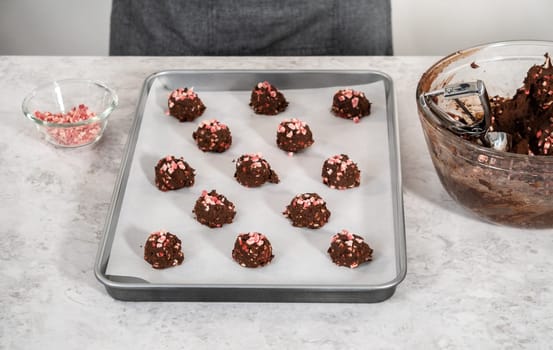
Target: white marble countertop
pixel 469 284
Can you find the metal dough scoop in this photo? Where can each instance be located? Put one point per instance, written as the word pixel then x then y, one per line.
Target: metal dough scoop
pixel 466 123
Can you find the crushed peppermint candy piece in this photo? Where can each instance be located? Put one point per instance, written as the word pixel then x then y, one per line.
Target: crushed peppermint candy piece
pixel 65 135
pixel 183 94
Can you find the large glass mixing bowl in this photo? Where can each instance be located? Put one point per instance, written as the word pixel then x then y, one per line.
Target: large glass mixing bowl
pixel 505 188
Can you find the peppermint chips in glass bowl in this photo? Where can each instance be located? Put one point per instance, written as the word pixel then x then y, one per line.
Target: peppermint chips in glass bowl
pixel 71 112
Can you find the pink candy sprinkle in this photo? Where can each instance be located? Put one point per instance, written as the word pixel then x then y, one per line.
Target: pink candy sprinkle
pixel 255 238
pixel 346 237
pixel 306 200
pixel 213 125
pixel 295 125
pixel 76 114
pixel 211 200
pixel 183 94
pixel 264 85
pixel 267 86
pixel 156 236
pixel 337 159
pixel 349 94
pixel 253 156
pixel 71 136
pixel 171 164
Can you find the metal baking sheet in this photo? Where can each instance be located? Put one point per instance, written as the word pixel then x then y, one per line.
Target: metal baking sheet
pixel 301 270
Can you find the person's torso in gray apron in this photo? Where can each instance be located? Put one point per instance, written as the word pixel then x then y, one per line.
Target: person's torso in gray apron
pixel 250 27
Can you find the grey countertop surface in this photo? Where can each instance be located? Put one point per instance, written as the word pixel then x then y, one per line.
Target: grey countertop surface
pixel 469 284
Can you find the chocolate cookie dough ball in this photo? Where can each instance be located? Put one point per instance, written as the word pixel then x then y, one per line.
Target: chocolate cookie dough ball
pixel 173 173
pixel 307 210
pixel 348 249
pixel 253 171
pixel 162 250
pixel 214 210
pixel 351 104
pixel 212 136
pixel 340 172
pixel 185 105
pixel 293 135
pixel 252 249
pixel 266 99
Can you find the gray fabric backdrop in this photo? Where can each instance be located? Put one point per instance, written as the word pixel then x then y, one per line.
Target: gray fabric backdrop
pixel 250 27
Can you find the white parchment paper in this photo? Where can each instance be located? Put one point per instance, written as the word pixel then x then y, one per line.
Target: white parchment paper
pixel 300 254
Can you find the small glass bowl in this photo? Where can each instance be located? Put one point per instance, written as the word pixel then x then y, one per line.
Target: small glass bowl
pixel 60 97
pixel 505 188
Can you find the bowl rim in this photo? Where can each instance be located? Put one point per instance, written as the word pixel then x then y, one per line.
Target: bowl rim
pixel 442 64
pixel 99 116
